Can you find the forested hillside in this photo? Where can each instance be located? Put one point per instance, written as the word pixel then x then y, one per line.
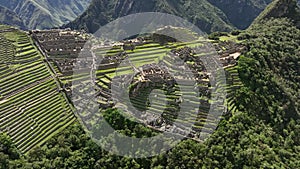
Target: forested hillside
pixel 208 15
pixel 201 13
pixel 281 9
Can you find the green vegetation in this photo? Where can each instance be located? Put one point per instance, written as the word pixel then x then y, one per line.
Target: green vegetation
pixel 271 71
pixel 32 109
pixel 281 9
pixel 260 129
pixel 204 15
pixel 216 37
pixel 208 15
pixel 155 53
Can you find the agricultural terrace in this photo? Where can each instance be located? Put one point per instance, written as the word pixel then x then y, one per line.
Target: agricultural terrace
pixel 61 48
pixel 143 52
pixel 143 59
pixel 32 105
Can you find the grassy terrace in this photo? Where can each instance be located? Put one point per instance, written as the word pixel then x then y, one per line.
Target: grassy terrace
pixel 153 53
pixel 234 82
pixel 145 54
pixel 32 109
pixel 7 50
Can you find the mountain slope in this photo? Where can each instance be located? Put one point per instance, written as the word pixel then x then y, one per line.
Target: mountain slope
pixel 263 133
pixel 201 13
pixel 46 13
pixel 281 9
pixel 241 13
pixel 10 18
pixel 209 15
pixel 271 70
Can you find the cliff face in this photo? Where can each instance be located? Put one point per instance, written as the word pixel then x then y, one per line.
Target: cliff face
pixel 43 14
pixel 281 9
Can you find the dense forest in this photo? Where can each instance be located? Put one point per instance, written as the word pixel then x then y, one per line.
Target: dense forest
pixel 262 133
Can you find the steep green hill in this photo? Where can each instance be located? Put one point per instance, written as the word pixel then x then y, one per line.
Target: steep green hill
pixel 201 13
pixel 10 18
pixel 40 14
pixel 281 9
pixel 271 71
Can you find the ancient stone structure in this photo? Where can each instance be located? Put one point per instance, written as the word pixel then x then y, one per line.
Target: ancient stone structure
pixel 229 52
pixel 61 47
pixel 60 42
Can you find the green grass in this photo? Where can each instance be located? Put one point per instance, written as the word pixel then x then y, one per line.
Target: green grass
pixel 2 27
pixel 30 93
pixel 231 38
pixel 12 36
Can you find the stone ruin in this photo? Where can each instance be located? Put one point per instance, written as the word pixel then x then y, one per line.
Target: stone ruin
pixel 229 52
pixel 150 76
pixel 60 42
pixel 62 46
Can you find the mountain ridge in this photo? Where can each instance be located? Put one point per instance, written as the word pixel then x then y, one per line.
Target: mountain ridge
pixel 241 13
pixel 47 13
pixel 9 17
pixel 208 15
pixel 281 9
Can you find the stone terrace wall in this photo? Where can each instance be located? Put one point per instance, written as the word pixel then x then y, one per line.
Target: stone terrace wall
pixel 62 46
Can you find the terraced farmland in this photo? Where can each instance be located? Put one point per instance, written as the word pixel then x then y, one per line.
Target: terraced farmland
pixel 7 51
pixel 233 83
pixel 144 53
pixel 32 105
pixel 150 54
